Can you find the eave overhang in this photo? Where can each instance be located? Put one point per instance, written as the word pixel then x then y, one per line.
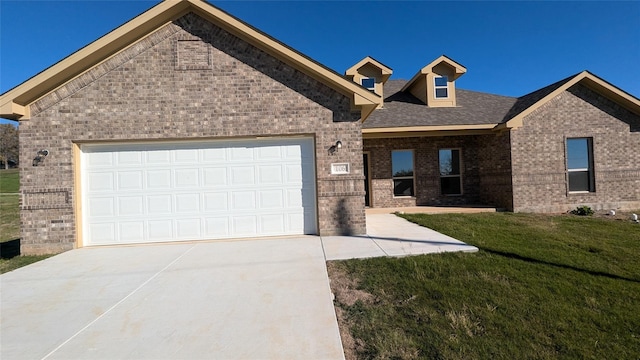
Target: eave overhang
pixel 15 102
pixel 432 130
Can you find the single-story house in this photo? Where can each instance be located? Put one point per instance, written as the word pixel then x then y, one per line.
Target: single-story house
pixel 186 123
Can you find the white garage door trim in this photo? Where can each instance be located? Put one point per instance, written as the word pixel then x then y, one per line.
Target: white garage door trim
pixel 197 190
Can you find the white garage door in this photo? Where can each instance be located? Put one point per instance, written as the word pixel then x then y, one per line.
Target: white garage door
pixel 137 193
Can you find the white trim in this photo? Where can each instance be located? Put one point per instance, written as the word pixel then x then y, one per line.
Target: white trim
pixel 436 87
pixel 368 78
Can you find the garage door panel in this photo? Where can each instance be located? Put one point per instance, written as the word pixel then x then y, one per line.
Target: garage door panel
pixel 187 203
pixel 217 227
pixel 243 175
pixel 188 228
pixel 102 207
pixel 271 199
pixel 159 179
pixel 158 157
pixel 160 230
pixel 293 152
pixel 294 198
pixel 128 158
pixel 243 200
pixel 270 174
pixel 186 156
pixel 214 155
pixel 102 233
pixel 187 178
pixel 293 174
pixel 215 202
pixel 130 206
pixel 136 193
pixel 272 224
pixel 269 153
pixel 131 231
pixel 214 177
pixel 100 159
pixel 130 180
pixel 241 153
pixel 245 225
pixel 159 204
pixel 297 222
pixel 101 182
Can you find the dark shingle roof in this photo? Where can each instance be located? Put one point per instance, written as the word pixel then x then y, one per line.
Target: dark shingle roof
pixel 528 100
pixel 473 108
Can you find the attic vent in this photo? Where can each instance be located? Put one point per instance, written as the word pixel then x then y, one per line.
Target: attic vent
pixel 193 55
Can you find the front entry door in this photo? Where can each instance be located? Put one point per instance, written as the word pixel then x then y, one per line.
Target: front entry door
pixel 367 201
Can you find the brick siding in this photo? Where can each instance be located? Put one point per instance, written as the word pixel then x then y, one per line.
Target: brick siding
pixel 538 154
pixel 153 91
pixel 485 170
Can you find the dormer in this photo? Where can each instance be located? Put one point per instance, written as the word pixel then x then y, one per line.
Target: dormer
pixel 371 74
pixel 434 84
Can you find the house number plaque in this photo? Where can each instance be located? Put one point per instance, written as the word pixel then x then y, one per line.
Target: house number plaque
pixel 340 169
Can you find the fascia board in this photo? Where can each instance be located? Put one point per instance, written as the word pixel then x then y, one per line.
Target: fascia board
pixel 405 129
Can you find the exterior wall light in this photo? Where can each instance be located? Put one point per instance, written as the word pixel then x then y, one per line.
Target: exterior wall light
pixel 334 148
pixel 40 155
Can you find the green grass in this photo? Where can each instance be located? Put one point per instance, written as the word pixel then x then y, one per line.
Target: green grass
pixel 7 265
pixel 9 205
pixel 9 217
pixel 541 287
pixel 9 181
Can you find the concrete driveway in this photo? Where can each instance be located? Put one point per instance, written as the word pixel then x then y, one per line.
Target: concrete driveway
pixel 255 299
pixel 250 299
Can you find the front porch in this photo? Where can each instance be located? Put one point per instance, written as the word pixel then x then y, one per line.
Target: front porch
pixel 470 209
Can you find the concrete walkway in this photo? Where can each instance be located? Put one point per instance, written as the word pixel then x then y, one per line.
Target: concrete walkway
pixel 250 299
pixel 390 235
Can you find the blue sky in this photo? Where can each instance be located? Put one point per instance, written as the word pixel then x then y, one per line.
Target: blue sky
pixel 508 47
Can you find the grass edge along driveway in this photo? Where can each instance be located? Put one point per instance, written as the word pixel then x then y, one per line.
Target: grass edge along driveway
pixel 541 286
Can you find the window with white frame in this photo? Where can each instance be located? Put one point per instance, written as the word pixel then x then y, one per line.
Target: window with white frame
pixel 402 172
pixel 369 83
pixel 450 174
pixel 580 165
pixel 441 86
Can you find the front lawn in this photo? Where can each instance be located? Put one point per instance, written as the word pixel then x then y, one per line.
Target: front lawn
pixel 543 287
pixel 9 217
pixel 9 181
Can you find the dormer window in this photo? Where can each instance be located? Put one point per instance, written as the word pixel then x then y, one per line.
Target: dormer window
pixel 369 83
pixel 441 87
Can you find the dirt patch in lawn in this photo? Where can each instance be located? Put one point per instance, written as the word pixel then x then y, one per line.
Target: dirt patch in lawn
pixel 619 215
pixel 346 292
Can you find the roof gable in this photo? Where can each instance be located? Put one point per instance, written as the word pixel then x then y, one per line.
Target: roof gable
pixel 458 69
pixel 530 102
pixel 386 71
pixel 14 104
